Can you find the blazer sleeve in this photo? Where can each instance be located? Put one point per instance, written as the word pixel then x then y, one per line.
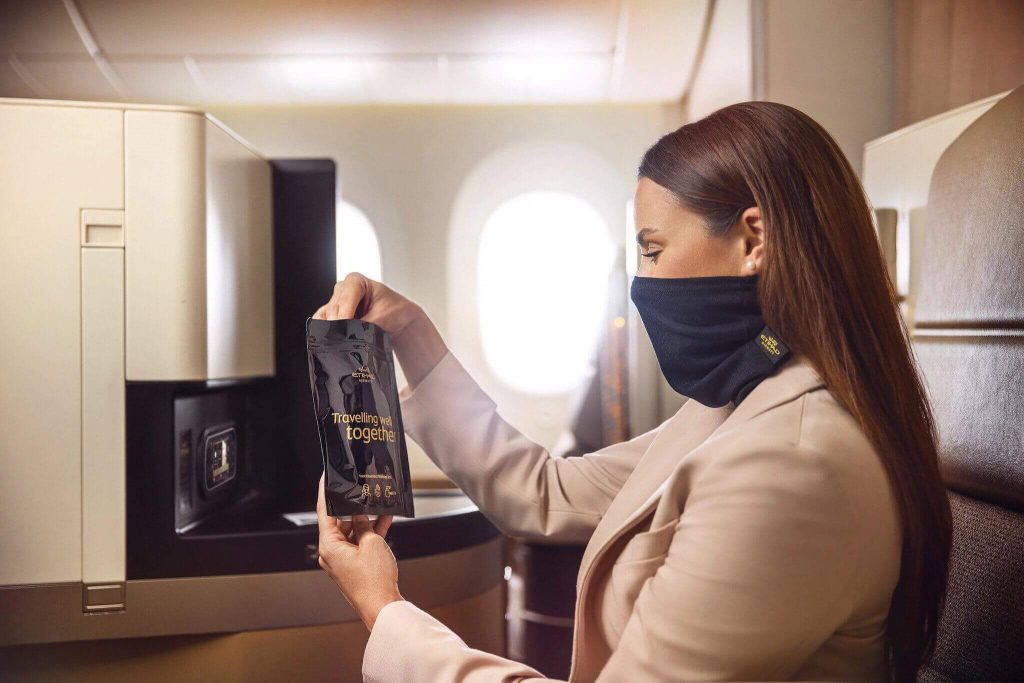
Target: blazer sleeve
pixel 515 482
pixel 760 571
pixel 408 645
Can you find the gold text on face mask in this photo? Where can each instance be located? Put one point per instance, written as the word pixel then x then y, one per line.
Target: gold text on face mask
pixel 770 344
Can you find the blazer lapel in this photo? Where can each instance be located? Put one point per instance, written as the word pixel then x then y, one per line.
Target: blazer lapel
pixel 688 428
pixel 691 426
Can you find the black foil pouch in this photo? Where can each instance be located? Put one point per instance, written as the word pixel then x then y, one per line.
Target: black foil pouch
pixel 355 396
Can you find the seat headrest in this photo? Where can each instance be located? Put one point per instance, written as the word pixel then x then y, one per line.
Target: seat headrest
pixel 972 260
pixel 969 321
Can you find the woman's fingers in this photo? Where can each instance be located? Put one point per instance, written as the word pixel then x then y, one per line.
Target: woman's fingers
pixel 345 524
pixel 347 529
pixel 328 529
pixel 382 524
pixel 347 295
pixel 361 525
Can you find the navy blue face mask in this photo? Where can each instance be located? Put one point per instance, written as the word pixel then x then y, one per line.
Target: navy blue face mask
pixel 711 342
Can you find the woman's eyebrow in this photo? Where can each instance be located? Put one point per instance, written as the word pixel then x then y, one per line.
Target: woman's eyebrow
pixel 641 236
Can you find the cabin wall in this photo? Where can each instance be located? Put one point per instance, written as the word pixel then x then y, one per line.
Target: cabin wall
pixel 831 59
pixel 952 53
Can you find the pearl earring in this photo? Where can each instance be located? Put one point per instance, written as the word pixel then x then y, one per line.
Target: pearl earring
pixel 750 264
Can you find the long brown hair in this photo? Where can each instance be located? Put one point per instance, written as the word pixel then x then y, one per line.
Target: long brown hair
pixel 825 290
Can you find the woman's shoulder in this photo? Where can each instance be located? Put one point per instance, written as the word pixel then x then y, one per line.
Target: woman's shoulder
pixel 805 472
pixel 808 456
pixel 816 422
pixel 815 434
pixel 828 428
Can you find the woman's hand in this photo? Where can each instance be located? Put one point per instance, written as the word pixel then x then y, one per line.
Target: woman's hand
pixel 356 556
pixel 357 296
pixel 416 341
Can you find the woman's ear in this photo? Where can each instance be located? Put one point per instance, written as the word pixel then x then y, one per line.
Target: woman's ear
pixel 751 219
pixel 752 239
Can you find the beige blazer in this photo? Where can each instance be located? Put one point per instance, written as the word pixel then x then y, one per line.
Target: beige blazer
pixel 750 543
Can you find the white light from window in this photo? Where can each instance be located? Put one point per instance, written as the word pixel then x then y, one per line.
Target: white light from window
pixel 358 248
pixel 632 251
pixel 543 269
pixel 322 72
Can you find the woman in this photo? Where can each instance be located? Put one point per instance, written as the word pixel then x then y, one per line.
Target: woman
pixel 788 522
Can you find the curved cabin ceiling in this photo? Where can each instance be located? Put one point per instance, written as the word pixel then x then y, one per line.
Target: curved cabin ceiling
pixel 350 52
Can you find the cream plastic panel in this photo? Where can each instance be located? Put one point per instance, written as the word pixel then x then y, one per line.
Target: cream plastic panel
pixel 103 415
pixel 239 257
pixel 199 259
pixel 165 260
pixel 102 228
pixel 897 170
pixel 57 161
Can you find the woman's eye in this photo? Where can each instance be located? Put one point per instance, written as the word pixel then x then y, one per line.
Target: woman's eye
pixel 653 255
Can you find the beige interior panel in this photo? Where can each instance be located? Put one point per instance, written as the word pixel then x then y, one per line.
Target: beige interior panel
pixel 65 159
pixel 239 258
pixel 222 604
pixel 332 652
pixel 165 237
pixel 102 228
pixel 103 416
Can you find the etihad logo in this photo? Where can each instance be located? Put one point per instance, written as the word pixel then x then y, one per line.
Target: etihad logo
pixel 770 344
pixel 363 374
pixel 772 347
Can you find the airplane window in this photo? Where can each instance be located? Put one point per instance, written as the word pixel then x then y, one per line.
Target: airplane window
pixel 358 248
pixel 544 262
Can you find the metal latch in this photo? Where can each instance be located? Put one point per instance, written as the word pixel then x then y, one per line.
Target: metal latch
pixel 103 597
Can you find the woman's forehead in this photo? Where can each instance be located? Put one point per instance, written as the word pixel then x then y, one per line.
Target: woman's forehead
pixel 658 208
